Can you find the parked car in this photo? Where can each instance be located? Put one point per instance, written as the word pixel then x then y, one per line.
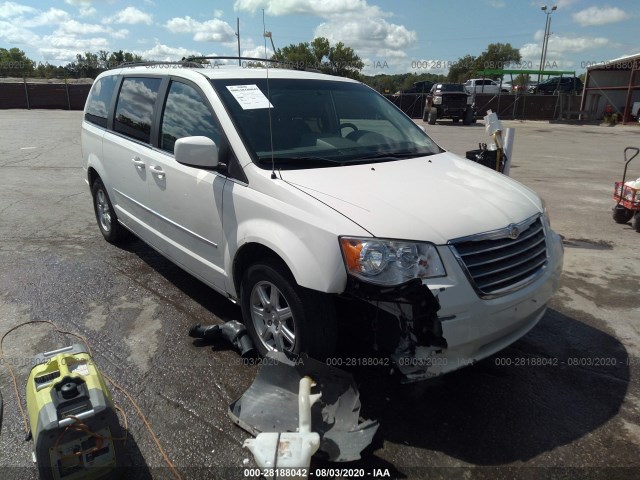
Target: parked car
pixel 484 85
pixel 555 85
pixel 448 100
pixel 526 87
pixel 421 87
pixel 286 190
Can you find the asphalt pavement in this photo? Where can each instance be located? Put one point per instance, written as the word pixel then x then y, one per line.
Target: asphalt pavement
pixel 563 402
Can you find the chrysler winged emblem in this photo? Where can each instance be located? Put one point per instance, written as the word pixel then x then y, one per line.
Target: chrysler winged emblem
pixel 514 232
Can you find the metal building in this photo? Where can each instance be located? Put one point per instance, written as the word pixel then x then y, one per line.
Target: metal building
pixel 613 87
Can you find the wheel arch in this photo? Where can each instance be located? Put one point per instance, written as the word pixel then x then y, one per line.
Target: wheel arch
pixel 247 255
pixel 92 176
pixel 302 262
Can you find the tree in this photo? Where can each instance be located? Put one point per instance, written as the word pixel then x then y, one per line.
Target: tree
pixel 464 69
pixel 92 64
pixel 15 63
pixel 320 55
pixel 497 56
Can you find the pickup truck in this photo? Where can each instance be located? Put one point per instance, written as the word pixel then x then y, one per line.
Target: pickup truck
pixel 483 85
pixel 448 100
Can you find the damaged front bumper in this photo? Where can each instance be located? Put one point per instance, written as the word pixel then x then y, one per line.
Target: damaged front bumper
pixel 414 317
pixel 426 336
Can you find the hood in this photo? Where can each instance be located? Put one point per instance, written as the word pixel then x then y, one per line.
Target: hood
pixel 435 198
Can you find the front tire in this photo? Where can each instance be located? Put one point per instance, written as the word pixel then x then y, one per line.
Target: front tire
pixel 433 116
pixel 468 117
pixel 106 216
pixel 280 315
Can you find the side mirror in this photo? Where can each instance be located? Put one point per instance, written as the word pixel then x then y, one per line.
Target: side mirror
pixel 196 152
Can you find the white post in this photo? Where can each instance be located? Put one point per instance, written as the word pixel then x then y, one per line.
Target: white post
pixel 508 148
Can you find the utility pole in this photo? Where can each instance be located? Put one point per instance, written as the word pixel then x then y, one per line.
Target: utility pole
pixel 238 35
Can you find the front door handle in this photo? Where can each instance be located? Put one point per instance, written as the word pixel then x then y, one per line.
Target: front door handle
pixel 137 162
pixel 157 171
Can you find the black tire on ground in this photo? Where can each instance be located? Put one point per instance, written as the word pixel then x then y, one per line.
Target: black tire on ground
pixel 433 116
pixel 425 114
pixel 468 117
pixel 621 214
pixel 106 216
pixel 635 222
pixel 455 120
pixel 281 315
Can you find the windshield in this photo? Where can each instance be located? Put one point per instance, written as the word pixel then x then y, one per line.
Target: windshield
pixel 319 123
pixel 449 87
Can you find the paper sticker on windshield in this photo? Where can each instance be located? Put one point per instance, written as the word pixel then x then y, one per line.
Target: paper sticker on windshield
pixel 250 97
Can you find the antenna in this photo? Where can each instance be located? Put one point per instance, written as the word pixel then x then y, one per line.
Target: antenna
pixel 273 162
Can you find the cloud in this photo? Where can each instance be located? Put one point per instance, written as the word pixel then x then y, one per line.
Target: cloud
pixel 74 27
pixel 368 35
pixel 214 30
pixel 11 9
pixel 497 3
pixel 317 8
pixel 357 24
pixel 257 52
pixel 12 33
pixel 131 16
pixel 53 16
pixel 599 16
pixel 120 34
pixel 560 49
pixel 88 11
pixel 166 53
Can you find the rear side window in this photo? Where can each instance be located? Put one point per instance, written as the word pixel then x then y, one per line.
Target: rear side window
pixel 134 109
pixel 99 100
pixel 186 114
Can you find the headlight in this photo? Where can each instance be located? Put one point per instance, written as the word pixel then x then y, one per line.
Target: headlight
pixel 390 262
pixel 437 100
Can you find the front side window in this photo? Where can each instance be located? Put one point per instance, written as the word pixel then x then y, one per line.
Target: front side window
pixel 99 100
pixel 186 114
pixel 134 109
pixel 308 123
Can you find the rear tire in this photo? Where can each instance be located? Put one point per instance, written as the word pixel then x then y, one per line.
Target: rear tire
pixel 635 222
pixel 621 214
pixel 281 315
pixel 433 116
pixel 106 216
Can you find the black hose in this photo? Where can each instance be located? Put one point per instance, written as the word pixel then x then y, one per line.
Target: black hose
pixel 232 331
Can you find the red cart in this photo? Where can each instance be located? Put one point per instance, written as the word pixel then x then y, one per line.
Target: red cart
pixel 628 198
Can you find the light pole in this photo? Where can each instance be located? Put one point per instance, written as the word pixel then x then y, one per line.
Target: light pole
pixel 545 39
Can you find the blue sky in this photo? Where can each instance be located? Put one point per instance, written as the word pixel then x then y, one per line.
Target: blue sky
pixel 390 36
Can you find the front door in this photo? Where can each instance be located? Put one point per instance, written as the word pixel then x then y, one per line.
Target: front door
pixel 187 201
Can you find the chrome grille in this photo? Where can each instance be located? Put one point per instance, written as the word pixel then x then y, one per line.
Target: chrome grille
pixel 496 263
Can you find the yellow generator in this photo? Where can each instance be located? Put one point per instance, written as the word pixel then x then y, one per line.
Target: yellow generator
pixel 73 421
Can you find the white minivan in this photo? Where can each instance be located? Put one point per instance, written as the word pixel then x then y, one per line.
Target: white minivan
pixel 286 190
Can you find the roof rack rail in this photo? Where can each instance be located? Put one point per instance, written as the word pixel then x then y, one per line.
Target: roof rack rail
pixel 252 59
pixel 182 62
pixel 282 63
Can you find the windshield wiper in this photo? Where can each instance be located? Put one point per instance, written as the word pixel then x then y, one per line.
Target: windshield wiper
pixel 307 160
pixel 382 157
